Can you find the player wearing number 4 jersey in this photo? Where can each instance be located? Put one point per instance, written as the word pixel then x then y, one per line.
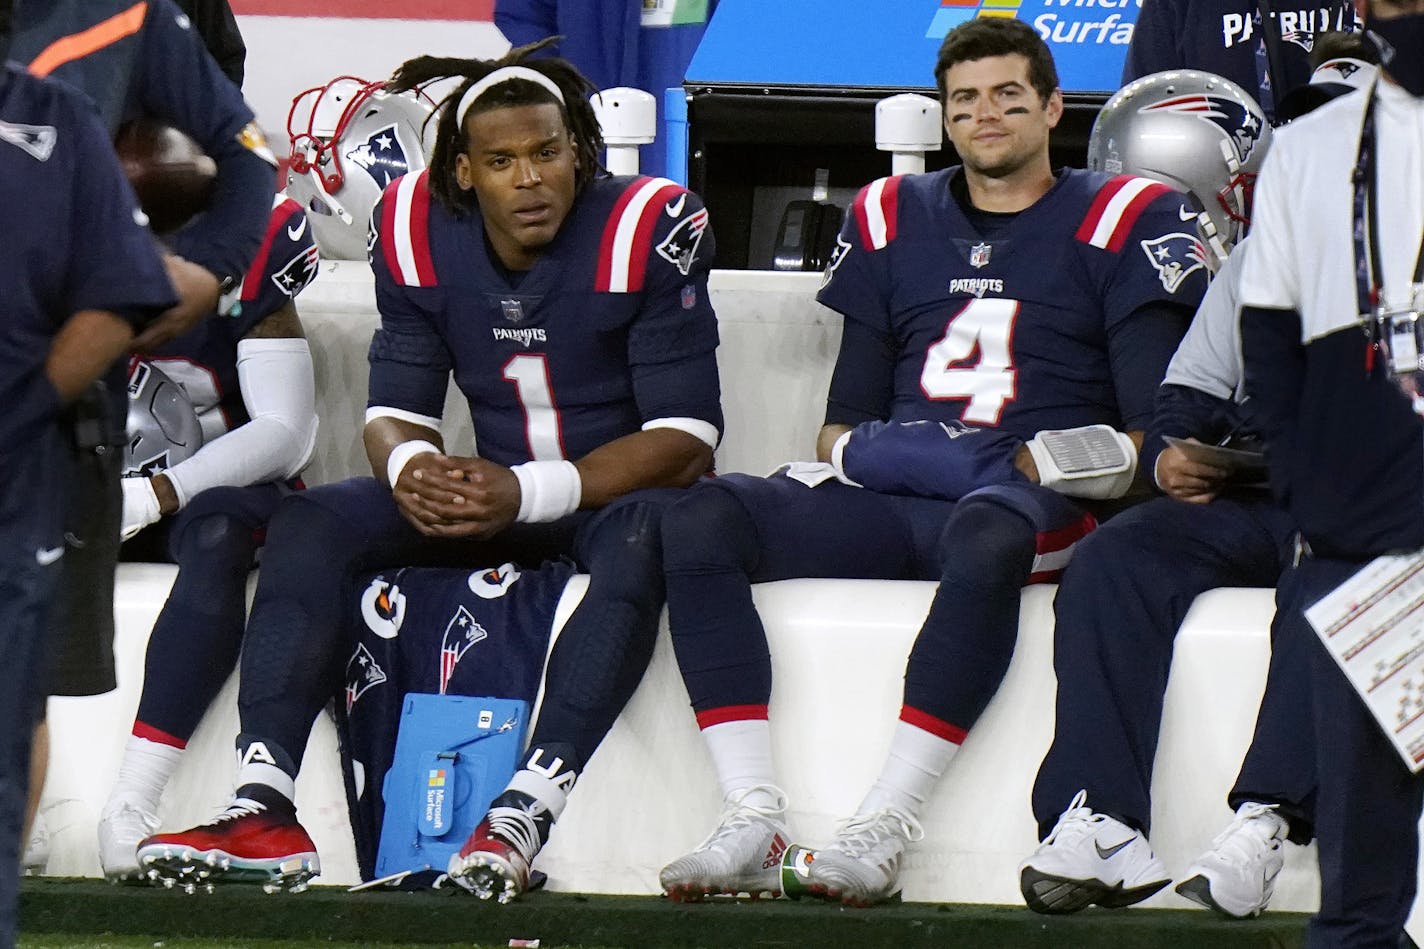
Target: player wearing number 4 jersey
pixel 986 308
pixel 572 310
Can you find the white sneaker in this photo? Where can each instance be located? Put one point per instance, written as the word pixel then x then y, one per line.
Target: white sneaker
pixel 1090 858
pixel 862 865
pixel 1238 874
pixel 37 848
pixel 123 824
pixel 741 855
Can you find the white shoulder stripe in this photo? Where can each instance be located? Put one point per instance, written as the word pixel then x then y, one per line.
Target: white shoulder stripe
pixel 405 249
pixel 622 254
pixel 1112 214
pixel 875 214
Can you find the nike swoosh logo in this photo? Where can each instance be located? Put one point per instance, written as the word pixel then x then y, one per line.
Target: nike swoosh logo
pixel 674 209
pixel 295 233
pixel 1186 215
pixel 44 557
pixel 1105 854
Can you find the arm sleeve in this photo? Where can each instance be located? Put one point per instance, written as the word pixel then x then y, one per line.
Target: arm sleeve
pixel 672 341
pixel 410 363
pixel 944 460
pixel 178 82
pixel 1154 46
pixel 1139 349
pixel 862 383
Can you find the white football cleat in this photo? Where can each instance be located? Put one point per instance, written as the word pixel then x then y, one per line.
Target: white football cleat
pixel 1237 876
pixel 861 866
pixel 123 824
pixel 741 855
pixel 1089 858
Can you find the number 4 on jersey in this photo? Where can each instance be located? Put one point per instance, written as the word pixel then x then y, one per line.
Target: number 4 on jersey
pixel 985 327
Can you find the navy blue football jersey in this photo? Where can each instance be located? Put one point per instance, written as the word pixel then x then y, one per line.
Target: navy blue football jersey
pixel 204 360
pixel 1225 37
pixel 74 239
pixel 441 631
pixel 1012 331
pixel 583 351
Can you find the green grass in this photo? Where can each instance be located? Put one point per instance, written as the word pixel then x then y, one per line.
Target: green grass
pixel 51 941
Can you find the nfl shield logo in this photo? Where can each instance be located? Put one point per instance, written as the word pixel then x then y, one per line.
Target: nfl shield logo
pixel 513 310
pixel 979 255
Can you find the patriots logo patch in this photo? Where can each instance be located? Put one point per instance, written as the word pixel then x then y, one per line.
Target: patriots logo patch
pixel 381 155
pixel 837 256
pixel 1301 38
pixel 680 248
pixel 1222 111
pixel 297 273
pixel 1175 257
pixel 37 141
pixel 461 633
pixel 383 608
pixel 362 674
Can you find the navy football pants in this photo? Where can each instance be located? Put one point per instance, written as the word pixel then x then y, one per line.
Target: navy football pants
pixel 730 532
pixel 1117 611
pixel 195 641
pixel 1368 802
pixel 33 503
pixel 298 639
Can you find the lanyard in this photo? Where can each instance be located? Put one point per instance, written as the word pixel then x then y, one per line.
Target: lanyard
pixel 1369 279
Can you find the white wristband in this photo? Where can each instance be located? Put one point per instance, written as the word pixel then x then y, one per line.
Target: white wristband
pixel 401 455
pixel 548 490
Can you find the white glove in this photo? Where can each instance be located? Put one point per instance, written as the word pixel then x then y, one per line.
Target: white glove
pixel 140 506
pixel 1094 461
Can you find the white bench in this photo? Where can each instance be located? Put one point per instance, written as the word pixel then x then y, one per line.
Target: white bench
pixel 838 649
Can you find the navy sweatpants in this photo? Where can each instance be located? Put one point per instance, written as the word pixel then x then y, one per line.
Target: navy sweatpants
pixel 1117 611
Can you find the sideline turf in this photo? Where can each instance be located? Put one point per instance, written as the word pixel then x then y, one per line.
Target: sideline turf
pixel 89 908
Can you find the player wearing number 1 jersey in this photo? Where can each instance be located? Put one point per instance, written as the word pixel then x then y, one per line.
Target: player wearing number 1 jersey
pixel 986 308
pixel 572 311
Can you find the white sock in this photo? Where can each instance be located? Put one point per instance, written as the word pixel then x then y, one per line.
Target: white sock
pixel 145 771
pixel 741 755
pixel 917 759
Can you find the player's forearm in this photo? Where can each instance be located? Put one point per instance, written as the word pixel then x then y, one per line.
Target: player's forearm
pixel 224 239
pixel 658 458
pixel 826 440
pixel 384 435
pixel 83 349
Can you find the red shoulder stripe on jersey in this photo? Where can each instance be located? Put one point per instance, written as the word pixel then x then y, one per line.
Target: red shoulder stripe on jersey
pixel 405 231
pixel 731 713
pixel 935 726
pixel 877 211
pixel 1115 210
pixel 604 274
pixel 281 210
pixel 420 230
pixel 628 235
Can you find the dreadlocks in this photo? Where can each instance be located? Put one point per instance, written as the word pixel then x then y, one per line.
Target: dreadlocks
pixel 450 139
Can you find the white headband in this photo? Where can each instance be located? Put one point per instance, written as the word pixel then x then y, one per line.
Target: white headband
pixel 504 74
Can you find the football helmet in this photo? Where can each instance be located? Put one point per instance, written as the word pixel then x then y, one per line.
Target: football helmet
pixel 163 427
pixel 349 139
pixel 1195 131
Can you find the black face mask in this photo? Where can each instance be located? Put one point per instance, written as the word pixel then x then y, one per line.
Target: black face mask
pixel 1400 41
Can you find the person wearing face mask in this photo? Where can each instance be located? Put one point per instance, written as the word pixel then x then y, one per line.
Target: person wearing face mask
pixel 1329 295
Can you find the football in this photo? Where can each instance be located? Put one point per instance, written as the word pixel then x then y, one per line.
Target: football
pixel 171 175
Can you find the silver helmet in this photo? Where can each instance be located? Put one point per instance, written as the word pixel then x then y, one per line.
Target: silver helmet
pixel 1195 131
pixel 163 426
pixel 349 139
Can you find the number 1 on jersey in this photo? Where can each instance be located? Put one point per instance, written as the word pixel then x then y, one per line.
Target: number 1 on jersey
pixel 530 375
pixel 985 327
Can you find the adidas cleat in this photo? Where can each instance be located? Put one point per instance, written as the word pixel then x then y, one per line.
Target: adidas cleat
pixel 741 855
